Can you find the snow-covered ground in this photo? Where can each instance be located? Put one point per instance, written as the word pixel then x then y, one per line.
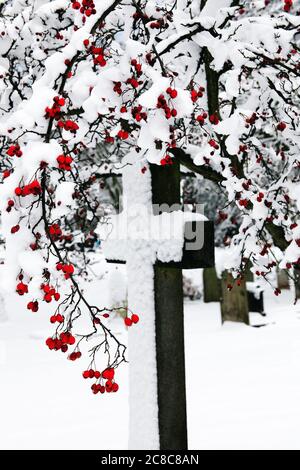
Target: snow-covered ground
pixel 243 385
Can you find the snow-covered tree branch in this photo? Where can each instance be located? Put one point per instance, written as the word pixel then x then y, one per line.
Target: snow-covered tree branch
pixel 215 88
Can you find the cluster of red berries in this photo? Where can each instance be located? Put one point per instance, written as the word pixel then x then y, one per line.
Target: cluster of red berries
pixel 129 321
pixel 288 5
pixel 68 125
pixel 22 288
pixel 167 160
pixel 10 205
pixel 195 95
pixel 62 342
pixel 107 375
pixel 137 67
pixel 33 188
pixel 244 202
pixel 137 113
pixel 133 82
pixel 157 24
pixel 201 118
pixel 265 249
pixel 74 355
pixel 58 318
pixel 55 111
pixel 50 293
pixel 87 7
pixel 100 60
pixel 97 52
pixel 260 197
pixel 163 104
pixel 14 151
pixel 33 306
pixel 55 231
pixel 172 92
pixel 67 269
pixel 92 374
pixel 108 387
pixel 118 88
pixel 64 162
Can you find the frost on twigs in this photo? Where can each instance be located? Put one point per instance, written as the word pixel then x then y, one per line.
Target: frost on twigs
pixel 218 83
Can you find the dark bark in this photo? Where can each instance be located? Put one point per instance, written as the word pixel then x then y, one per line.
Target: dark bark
pixel 208 173
pixel 211 286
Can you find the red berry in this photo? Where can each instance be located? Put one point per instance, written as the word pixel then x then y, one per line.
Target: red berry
pixel 128 321
pixel 281 126
pixel 48 298
pixel 71 340
pixel 108 386
pixel 134 318
pixel 15 229
pixel 108 374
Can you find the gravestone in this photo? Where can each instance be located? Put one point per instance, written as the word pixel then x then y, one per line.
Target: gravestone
pixel 168 306
pixel 283 279
pixel 234 301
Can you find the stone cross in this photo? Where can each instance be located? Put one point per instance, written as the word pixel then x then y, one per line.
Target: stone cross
pixel 156 348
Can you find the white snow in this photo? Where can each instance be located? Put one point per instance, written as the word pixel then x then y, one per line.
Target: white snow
pixel 143 423
pixel 243 384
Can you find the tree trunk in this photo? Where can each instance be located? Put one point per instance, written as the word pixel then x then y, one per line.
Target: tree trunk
pixel 234 302
pixel 211 285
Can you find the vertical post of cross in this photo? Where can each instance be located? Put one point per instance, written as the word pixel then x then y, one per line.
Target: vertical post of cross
pixel 169 321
